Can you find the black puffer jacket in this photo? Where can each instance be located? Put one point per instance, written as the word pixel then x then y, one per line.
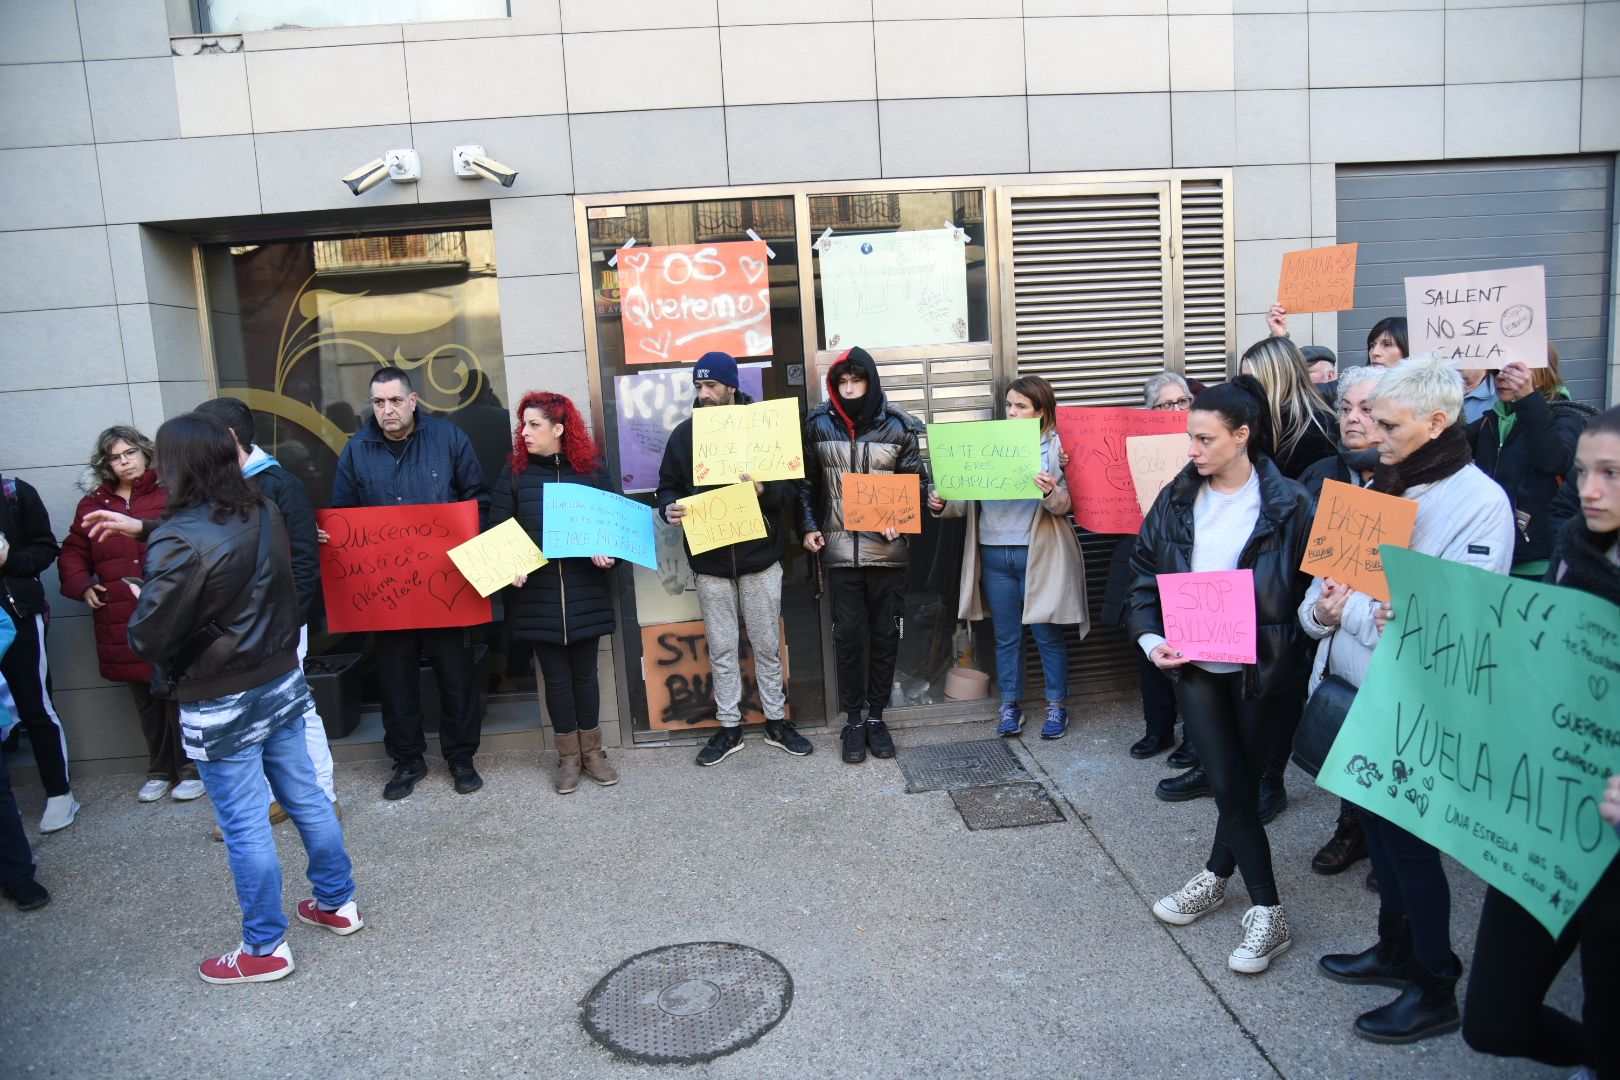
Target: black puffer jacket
pixel 566 599
pixel 882 439
pixel 200 571
pixel 734 560
pixel 1273 551
pixel 1530 462
pixel 27 529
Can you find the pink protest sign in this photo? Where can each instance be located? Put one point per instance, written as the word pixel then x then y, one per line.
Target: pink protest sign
pixel 1210 615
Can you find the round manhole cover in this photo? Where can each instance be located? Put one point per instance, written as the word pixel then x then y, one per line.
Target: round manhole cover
pixel 688 1003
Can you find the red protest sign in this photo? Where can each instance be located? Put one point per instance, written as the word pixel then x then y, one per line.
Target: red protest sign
pixel 1099 468
pixel 389 568
pixel 677 303
pixel 1210 615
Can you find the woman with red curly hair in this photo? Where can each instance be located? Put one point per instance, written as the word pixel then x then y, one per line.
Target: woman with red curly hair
pixel 563 608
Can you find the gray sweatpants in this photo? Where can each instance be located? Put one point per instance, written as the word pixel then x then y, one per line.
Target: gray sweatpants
pixel 759 596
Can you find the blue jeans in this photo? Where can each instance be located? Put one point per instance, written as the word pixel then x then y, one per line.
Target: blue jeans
pixel 1001 572
pixel 236 786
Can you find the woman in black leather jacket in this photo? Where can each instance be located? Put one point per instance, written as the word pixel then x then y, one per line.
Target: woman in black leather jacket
pixel 217 618
pixel 1230 508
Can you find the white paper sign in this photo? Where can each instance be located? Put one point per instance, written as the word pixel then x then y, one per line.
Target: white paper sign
pixel 1483 319
pixel 893 289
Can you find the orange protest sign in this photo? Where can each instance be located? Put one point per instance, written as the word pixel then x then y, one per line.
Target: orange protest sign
pixel 677 303
pixel 680 682
pixel 877 501
pixel 1350 524
pixel 1318 279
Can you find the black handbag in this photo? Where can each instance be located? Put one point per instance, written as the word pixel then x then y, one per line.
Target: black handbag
pixel 1324 715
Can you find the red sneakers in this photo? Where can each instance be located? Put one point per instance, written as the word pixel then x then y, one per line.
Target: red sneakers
pixel 345 920
pixel 241 966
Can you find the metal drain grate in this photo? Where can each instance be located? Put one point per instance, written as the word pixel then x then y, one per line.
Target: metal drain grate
pixel 1005 806
pixel 948 766
pixel 683 1004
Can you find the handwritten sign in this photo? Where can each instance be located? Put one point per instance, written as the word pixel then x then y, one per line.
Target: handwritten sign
pixel 492 559
pixel 1486 319
pixel 677 303
pixel 389 568
pixel 894 289
pixel 877 501
pixel 583 521
pixel 727 515
pixel 1155 460
pixel 1318 279
pixel 1099 468
pixel 1351 522
pixel 680 681
pixel 650 405
pixel 760 441
pixel 1210 615
pixel 1487 726
pixel 986 459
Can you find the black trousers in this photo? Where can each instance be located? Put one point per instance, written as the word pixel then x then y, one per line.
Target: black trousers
pixel 1516 960
pixel 867 607
pixel 1233 736
pixel 573 699
pixel 26 673
pixel 16 857
pixel 1412 882
pixel 1158 697
pixel 450 651
pixel 160 725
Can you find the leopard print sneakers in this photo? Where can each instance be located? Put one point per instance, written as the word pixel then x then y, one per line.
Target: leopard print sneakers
pixel 1200 896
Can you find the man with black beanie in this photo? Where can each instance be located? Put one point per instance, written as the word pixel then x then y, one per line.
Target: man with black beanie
pixel 857 430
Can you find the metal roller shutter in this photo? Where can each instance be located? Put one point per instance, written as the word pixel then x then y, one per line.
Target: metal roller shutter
pixel 1445 217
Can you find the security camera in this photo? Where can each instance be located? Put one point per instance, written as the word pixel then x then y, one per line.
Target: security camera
pixel 469 161
pixel 400 166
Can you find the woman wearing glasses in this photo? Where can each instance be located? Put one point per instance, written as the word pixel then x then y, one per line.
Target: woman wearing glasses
pixel 121 478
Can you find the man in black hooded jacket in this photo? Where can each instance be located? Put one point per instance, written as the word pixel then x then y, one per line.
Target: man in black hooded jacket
pixel 857 430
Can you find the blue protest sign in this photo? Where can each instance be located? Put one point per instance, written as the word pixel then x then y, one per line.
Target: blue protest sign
pixel 585 521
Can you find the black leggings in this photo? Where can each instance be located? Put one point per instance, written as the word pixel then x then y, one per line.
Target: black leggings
pixel 1516 960
pixel 572 697
pixel 1233 736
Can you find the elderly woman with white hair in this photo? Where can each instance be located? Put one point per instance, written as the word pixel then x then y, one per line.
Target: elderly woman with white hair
pixel 1463 516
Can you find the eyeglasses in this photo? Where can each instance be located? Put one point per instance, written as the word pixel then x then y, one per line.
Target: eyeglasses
pixel 128 455
pixel 1179 404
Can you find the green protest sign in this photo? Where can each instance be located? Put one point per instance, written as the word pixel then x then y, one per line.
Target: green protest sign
pixel 986 459
pixel 1487 726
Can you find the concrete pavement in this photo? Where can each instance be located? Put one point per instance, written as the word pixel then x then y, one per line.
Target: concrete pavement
pixel 917 947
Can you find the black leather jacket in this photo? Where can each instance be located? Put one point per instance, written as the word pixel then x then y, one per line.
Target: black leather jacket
pixel 199 571
pixel 1273 551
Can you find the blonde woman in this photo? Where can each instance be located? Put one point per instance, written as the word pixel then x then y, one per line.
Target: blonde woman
pixel 1306 430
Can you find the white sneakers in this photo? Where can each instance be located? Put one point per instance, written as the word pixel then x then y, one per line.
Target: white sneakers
pixel 153 790
pixel 1265 929
pixel 60 810
pixel 186 790
pixel 1265 937
pixel 1200 896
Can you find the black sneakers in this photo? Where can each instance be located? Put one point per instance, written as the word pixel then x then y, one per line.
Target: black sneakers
pixel 466 777
pixel 721 745
pixel 854 738
pixel 878 739
pixel 403 782
pixel 783 734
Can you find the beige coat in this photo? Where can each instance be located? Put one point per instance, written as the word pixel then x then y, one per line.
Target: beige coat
pixel 1055 584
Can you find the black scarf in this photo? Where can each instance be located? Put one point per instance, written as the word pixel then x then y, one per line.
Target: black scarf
pixel 1359 461
pixel 1428 464
pixel 1581 561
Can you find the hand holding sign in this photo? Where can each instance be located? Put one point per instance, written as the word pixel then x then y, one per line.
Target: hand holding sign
pixel 495 559
pixel 1210 615
pixel 875 502
pixel 1318 279
pixel 760 441
pixel 727 515
pixel 1351 522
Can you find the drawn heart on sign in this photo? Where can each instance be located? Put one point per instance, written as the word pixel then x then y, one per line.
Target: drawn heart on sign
pixel 445 586
pixel 636 262
pixel 756 344
pixel 659 347
pixel 1598 685
pixel 753 269
pixel 1419 800
pixel 1394 790
pixel 1428 782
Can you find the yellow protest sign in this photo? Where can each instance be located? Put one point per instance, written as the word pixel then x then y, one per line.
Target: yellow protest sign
pixel 760 441
pixel 490 560
pixel 727 515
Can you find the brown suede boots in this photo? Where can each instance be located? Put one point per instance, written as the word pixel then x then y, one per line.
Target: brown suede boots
pixel 567 762
pixel 596 762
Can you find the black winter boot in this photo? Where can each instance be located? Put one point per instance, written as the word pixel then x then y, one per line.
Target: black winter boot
pixel 1388 963
pixel 1273 796
pixel 1346 847
pixel 1426 1007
